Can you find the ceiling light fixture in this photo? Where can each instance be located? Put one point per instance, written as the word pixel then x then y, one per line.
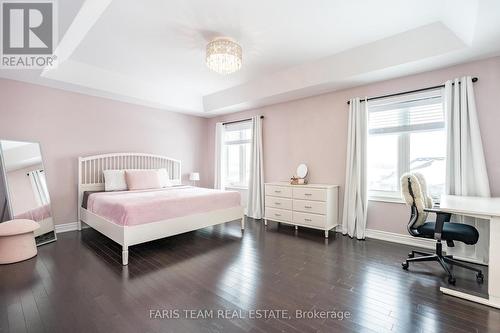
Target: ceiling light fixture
pixel 223 55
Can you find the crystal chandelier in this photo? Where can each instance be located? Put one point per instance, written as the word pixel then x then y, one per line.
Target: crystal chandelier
pixel 223 55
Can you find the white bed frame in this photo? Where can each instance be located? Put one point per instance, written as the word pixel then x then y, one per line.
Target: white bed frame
pixel 91 178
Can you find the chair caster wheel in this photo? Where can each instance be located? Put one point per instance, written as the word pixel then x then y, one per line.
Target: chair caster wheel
pixel 411 255
pixel 405 265
pixel 452 280
pixel 480 277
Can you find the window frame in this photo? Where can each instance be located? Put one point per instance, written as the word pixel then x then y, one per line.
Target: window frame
pixel 403 150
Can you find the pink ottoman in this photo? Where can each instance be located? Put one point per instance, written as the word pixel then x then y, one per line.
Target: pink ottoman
pixel 17 241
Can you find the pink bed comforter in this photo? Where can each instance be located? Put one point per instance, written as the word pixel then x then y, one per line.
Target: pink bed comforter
pixel 37 214
pixel 139 207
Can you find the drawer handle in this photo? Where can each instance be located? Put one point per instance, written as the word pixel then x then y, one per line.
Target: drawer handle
pixel 308 207
pixel 276 191
pixel 308 220
pixel 277 203
pixel 276 214
pixel 308 194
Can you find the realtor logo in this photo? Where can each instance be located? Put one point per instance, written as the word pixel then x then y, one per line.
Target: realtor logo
pixel 28 34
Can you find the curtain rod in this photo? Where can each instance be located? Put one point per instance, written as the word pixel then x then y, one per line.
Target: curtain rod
pixel 239 121
pixel 474 79
pixel 41 170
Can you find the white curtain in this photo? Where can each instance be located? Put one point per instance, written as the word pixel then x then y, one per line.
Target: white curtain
pixel 219 156
pixel 39 186
pixel 465 165
pixel 255 203
pixel 355 190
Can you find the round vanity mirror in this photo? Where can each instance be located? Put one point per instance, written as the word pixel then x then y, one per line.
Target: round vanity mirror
pixel 302 171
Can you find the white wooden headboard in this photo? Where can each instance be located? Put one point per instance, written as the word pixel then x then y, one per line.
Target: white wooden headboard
pixel 91 176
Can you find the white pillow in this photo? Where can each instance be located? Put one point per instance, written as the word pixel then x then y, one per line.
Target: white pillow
pixel 164 178
pixel 114 180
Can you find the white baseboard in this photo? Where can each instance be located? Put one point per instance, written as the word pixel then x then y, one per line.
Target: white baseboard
pixel 65 227
pixel 401 239
pixel 370 233
pixel 412 241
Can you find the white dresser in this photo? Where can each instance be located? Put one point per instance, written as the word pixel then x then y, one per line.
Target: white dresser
pixel 313 205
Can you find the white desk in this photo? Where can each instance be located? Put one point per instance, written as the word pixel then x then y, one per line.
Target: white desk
pixel 488 209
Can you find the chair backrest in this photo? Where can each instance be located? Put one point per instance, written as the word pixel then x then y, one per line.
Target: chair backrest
pixel 414 192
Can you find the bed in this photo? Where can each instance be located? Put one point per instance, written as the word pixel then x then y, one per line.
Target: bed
pixel 134 217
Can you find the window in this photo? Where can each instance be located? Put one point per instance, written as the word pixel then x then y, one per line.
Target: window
pixel 237 142
pixel 406 134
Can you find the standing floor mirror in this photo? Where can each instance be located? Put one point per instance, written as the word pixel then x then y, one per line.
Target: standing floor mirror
pixel 23 187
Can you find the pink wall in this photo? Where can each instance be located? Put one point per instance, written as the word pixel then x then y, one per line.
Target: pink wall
pixel 314 130
pixel 69 125
pixel 311 130
pixel 20 190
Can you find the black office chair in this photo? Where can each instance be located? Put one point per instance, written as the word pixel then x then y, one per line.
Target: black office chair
pixel 415 194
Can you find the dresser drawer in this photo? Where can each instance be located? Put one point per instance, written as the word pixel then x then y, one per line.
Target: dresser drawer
pixel 309 194
pixel 278 214
pixel 306 206
pixel 313 220
pixel 277 202
pixel 279 191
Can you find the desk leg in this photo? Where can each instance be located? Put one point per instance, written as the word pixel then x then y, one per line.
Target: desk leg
pixel 493 271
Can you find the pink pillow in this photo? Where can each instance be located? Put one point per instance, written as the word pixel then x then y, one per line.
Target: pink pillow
pixel 142 179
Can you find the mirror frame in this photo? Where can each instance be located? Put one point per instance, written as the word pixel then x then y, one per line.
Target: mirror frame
pixel 38 238
pixel 3 175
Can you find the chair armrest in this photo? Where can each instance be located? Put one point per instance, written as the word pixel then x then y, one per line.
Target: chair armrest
pixel 441 218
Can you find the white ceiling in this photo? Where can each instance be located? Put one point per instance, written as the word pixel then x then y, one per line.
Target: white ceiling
pixel 151 52
pixel 7 145
pixel 19 155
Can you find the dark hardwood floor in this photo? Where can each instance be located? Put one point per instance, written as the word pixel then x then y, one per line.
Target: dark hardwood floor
pixel 78 285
